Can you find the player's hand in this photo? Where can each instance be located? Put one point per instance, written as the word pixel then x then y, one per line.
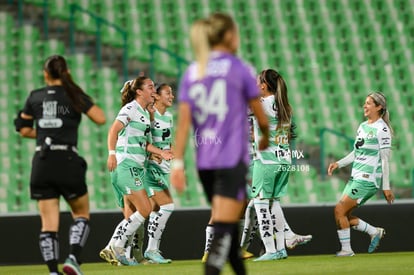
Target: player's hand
pixel 156 157
pixel 263 143
pixel 111 163
pixel 177 178
pixel 389 196
pixel 332 167
pixel 167 154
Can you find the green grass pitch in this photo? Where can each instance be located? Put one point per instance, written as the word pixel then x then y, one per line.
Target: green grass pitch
pixel 377 263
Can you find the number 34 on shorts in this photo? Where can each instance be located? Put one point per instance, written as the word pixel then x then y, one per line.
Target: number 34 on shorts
pixel 293 168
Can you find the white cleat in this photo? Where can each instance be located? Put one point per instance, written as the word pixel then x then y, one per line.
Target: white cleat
pixel 298 240
pixel 344 253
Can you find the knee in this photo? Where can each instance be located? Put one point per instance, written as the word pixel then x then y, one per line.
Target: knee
pixel 339 211
pixel 145 211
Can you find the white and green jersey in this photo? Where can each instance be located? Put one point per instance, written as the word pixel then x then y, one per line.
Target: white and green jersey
pixel 278 151
pixel 161 130
pixel 370 139
pixel 133 138
pixel 252 147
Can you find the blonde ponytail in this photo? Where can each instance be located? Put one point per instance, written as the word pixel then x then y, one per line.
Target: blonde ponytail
pixel 386 118
pixel 379 99
pixel 201 45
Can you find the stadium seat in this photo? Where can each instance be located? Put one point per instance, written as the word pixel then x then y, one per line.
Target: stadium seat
pixel 331 56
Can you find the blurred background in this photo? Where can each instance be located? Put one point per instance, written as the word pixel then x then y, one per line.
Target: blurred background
pixel 332 54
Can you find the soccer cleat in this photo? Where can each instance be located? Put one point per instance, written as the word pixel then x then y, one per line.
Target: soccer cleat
pixel 282 254
pixel 267 257
pixel 204 258
pixel 344 253
pixel 245 254
pixel 71 267
pixel 109 256
pixel 298 240
pixel 156 257
pixel 119 253
pixel 375 240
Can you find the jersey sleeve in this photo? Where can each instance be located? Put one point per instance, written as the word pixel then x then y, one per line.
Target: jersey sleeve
pixel 87 103
pixel 384 137
pixel 28 109
pixel 249 80
pixel 124 115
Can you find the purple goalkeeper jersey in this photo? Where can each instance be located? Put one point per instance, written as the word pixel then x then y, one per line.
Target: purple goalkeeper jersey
pixel 219 105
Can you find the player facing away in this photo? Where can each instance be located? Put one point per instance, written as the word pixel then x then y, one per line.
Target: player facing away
pixel 270 170
pixel 370 170
pixel 215 93
pixel 57 169
pixel 250 218
pixel 157 175
pixel 128 144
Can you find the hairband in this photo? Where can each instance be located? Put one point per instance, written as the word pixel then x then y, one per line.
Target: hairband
pixel 126 83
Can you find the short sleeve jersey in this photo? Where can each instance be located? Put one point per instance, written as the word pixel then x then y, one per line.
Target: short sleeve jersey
pixel 54 114
pixel 219 105
pixel 278 151
pixel 133 138
pixel 370 139
pixel 161 131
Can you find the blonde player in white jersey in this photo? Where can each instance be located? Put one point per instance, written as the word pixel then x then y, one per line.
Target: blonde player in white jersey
pixel 370 171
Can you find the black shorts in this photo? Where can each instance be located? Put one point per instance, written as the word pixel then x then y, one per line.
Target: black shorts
pixel 229 182
pixel 59 173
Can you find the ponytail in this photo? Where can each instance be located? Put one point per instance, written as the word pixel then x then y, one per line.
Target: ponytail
pixel 200 44
pixel 379 99
pixel 127 93
pixel 75 93
pixel 129 90
pixel 277 86
pixel 57 68
pixel 386 118
pixel 207 33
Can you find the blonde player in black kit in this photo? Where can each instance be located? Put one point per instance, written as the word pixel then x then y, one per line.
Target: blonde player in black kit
pixel 57 169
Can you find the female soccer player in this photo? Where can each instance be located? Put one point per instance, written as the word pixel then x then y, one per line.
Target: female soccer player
pixel 250 218
pixel 214 96
pixel 57 168
pixel 270 170
pixel 370 170
pixel 128 144
pixel 157 175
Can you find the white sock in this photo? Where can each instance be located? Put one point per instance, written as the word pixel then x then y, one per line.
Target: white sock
pixel 116 233
pixel 159 222
pixel 365 227
pixel 289 234
pixel 265 224
pixel 344 236
pixel 279 224
pixel 132 224
pixel 250 219
pixel 151 230
pixel 209 237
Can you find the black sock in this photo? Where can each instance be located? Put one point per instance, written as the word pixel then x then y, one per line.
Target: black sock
pixel 49 247
pixel 78 234
pixel 220 247
pixel 235 258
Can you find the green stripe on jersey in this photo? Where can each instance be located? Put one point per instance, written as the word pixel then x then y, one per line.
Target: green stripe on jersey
pixel 363 167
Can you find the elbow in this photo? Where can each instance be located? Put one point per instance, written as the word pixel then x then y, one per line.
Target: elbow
pixel 101 121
